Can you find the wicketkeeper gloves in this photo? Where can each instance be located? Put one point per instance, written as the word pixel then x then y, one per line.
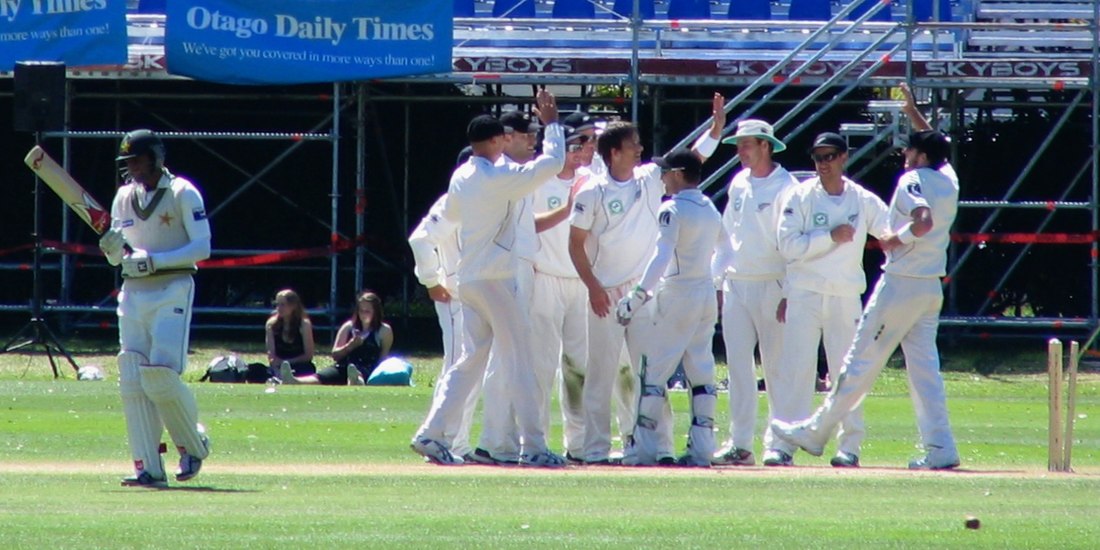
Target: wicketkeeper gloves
pixel 630 304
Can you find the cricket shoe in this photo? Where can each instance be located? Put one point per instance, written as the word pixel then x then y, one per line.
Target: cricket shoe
pixel 733 456
pixel 802 434
pixel 435 452
pixel 691 461
pixel 191 464
pixel 146 480
pixel 845 460
pixel 544 459
pixel 775 457
pixel 936 459
pixel 481 456
pixel 572 459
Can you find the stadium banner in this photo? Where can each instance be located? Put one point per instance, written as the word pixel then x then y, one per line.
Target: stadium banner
pixel 304 41
pixel 90 32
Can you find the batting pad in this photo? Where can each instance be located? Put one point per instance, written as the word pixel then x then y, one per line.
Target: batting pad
pixel 177 407
pixel 704 399
pixel 143 425
pixel 652 434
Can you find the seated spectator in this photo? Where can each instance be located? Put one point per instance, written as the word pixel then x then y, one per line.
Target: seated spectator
pixel 362 342
pixel 288 337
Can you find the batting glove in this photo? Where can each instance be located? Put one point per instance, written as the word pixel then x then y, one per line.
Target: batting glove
pixel 630 304
pixel 137 264
pixel 112 243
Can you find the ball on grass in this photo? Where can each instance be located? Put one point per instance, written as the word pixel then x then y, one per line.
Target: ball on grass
pixel 973 522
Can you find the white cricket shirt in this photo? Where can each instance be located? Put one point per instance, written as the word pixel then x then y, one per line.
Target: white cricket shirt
pixel 815 262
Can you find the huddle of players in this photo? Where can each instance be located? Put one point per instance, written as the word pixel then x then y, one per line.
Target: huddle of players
pixel 570 266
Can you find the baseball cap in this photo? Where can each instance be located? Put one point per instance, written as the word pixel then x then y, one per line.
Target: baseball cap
pixel 751 127
pixel 483 128
pixel 829 139
pixel 683 160
pixel 520 122
pixel 464 155
pixel 580 121
pixel 930 142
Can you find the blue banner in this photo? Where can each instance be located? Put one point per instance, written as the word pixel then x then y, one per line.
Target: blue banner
pixel 300 41
pixel 76 33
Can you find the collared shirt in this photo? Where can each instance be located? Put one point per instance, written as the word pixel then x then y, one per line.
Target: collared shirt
pixel 691 242
pixel 172 229
pixel 482 200
pixel 622 220
pixel 938 190
pixel 751 217
pixel 807 219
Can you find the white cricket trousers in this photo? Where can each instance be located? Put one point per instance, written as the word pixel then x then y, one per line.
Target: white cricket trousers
pixel 499 432
pixel 683 319
pixel 606 338
pixel 450 323
pixel 906 311
pixel 559 327
pixel 492 320
pixel 748 319
pixel 811 318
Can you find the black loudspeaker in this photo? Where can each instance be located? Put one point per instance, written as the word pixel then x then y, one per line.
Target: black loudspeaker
pixel 39 96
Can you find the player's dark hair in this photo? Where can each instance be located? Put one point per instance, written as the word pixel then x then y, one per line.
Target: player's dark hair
pixel 613 137
pixel 379 313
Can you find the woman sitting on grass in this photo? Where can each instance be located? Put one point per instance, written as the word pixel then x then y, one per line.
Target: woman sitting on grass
pixel 361 343
pixel 288 336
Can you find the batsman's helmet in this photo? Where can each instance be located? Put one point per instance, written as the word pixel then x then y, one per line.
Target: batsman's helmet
pixel 141 142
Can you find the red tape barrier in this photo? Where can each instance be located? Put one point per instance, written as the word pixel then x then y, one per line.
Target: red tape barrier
pixel 339 244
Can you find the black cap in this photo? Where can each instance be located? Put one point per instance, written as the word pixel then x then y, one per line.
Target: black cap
pixel 464 155
pixel 520 122
pixel 930 142
pixel 572 135
pixel 483 128
pixel 579 121
pixel 681 159
pixel 830 139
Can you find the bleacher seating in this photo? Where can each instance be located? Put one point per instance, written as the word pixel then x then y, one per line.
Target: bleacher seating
pixel 1048 26
pixel 810 10
pixel 866 5
pixel 625 8
pixel 688 9
pixel 749 10
pixel 574 9
pixel 925 10
pixel 514 9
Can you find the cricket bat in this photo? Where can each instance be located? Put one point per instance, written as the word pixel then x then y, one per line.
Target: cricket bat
pixel 71 192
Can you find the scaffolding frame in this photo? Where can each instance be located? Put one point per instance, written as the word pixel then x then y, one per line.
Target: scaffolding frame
pixel 655 40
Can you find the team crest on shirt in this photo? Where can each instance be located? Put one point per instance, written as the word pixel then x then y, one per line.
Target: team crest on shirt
pixel 198 214
pixel 554 202
pixel 737 204
pixel 578 208
pixel 821 219
pixel 914 189
pixel 615 206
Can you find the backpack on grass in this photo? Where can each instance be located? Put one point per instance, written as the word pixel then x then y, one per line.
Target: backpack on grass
pixel 231 369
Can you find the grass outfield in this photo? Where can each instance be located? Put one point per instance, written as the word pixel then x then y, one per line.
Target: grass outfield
pixel 330 467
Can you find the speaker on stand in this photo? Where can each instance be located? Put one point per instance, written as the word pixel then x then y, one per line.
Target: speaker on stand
pixel 39 102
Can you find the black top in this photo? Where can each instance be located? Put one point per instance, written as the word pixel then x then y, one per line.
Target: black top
pixel 285 350
pixel 366 356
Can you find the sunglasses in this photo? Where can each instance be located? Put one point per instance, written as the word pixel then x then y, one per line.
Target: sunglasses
pixel 825 157
pixel 667 170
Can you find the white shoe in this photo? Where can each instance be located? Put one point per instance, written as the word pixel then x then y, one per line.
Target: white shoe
pixel 775 457
pixel 802 434
pixel 545 459
pixel 435 452
pixel 286 373
pixel 936 459
pixel 353 376
pixel 733 456
pixel 190 464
